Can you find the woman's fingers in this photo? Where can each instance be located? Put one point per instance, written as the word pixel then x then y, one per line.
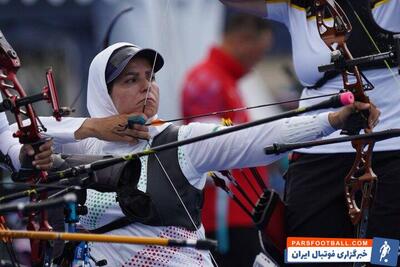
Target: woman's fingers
pixel 337 119
pixel 374 115
pixel 138 131
pixel 43 159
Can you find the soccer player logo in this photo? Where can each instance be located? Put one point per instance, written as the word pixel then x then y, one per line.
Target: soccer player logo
pixel 384 251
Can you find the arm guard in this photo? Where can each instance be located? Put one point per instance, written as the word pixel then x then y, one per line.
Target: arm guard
pixel 105 180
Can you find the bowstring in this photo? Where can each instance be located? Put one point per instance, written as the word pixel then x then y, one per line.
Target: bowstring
pixel 394 76
pixel 198 231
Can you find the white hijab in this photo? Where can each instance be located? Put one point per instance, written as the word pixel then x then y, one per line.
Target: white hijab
pixel 99 103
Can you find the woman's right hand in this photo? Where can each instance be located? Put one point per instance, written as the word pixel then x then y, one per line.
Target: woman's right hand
pixel 114 129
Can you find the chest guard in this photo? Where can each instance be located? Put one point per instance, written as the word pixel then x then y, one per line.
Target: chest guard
pixel 159 205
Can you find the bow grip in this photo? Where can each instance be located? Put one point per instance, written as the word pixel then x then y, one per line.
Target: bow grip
pixel 27 170
pixel 357 121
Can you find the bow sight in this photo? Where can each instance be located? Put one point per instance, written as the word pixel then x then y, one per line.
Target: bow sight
pixel 339 63
pixel 10 63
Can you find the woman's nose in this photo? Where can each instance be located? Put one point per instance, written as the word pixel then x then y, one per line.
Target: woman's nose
pixel 145 85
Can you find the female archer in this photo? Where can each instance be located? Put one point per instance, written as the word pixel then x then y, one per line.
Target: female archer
pixel 166 198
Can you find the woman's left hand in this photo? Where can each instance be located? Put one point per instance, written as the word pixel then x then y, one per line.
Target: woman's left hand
pixel 337 119
pixel 43 159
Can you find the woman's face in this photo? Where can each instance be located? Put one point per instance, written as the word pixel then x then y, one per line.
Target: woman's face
pixel 130 87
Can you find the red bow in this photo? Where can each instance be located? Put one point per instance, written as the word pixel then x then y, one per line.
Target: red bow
pixel 29 132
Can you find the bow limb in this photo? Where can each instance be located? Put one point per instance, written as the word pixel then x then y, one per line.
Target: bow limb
pixel 354 182
pixel 361 176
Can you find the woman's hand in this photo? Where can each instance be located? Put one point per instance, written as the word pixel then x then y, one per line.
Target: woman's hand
pixel 113 129
pixel 43 159
pixel 338 118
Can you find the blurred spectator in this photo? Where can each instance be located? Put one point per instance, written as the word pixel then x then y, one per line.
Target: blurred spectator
pixel 212 86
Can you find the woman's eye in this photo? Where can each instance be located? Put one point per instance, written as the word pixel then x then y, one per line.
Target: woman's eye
pixel 131 80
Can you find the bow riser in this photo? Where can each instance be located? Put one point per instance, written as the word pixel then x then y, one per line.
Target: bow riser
pixel 27 133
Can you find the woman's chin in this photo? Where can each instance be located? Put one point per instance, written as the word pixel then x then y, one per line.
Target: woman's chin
pixel 150 111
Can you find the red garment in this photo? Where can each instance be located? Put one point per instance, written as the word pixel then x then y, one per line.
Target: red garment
pixel 212 86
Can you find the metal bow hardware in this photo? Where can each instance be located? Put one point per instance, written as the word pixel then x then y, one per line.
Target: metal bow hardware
pixel 29 132
pixel 361 176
